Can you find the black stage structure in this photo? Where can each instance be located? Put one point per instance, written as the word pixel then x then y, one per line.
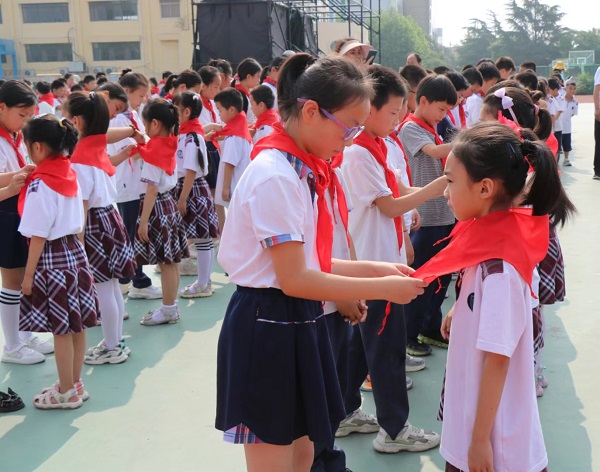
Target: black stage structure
pixel 264 29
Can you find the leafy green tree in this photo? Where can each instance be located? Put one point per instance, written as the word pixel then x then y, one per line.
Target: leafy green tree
pixel 587 41
pixel 476 44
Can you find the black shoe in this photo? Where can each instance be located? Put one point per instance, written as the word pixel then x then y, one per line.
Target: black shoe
pixel 415 348
pixel 10 402
pixel 434 339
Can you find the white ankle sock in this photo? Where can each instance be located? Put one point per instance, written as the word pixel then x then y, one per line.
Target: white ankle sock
pixel 204 249
pixel 10 306
pixel 109 313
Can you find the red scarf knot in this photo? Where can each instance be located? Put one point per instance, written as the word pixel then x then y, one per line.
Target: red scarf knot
pixel 237 126
pixel 91 151
pixel 160 152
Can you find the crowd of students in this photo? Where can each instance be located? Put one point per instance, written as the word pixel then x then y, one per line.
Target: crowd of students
pixel 341 198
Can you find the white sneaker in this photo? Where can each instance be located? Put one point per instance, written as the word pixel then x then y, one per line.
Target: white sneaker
pixel 188 267
pixel 22 355
pixel 158 317
pixel 43 347
pixel 409 439
pixel 125 316
pixel 103 355
pixel 409 383
pixel 193 252
pixel 357 422
pixel 125 288
pixel 148 293
pixel 197 291
pixel 414 364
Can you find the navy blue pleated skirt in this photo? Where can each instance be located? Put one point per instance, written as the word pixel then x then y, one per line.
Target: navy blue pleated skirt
pixel 275 368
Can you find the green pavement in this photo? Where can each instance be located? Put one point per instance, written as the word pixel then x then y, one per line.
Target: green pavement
pixel 156 411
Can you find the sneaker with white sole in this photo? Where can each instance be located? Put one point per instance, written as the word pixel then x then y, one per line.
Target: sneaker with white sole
pixel 147 293
pixel 409 439
pixel 188 267
pixel 409 383
pixel 125 288
pixel 102 345
pixel 102 355
pixel 357 422
pixel 35 343
pixel 414 364
pixel 125 316
pixel 196 290
pixel 22 355
pixel 158 317
pixel 567 163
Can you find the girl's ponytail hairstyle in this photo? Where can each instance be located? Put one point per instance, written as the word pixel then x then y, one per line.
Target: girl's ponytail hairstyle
pixel 189 78
pixel 59 135
pixel 114 91
pixel 16 93
pixel 133 80
pixel 192 101
pixel 332 82
pixel 170 83
pixel 493 150
pixel 164 112
pixel 93 108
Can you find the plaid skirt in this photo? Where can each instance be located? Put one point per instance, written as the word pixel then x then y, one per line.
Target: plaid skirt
pixel 552 273
pixel 107 245
pixel 201 220
pixel 167 239
pixel 63 299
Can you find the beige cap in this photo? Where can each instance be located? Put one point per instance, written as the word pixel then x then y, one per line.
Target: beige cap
pixel 560 65
pixel 355 44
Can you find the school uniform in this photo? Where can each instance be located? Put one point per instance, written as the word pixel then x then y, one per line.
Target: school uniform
pixel 552 273
pixel 107 244
pixel 210 114
pixel 397 162
pixel 246 99
pixel 201 220
pixel 166 232
pixel 14 246
pixel 376 238
pixel 268 389
pixel 473 108
pixel 557 105
pixel 571 110
pixel 63 298
pixel 264 124
pixel 273 86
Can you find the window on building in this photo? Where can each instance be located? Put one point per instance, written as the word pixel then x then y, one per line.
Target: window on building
pixel 114 11
pixel 45 12
pixel 51 52
pixel 121 51
pixel 169 9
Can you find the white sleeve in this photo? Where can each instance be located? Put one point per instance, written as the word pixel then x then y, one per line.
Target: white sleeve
pixel 151 174
pixel 364 176
pixel 40 211
pixel 190 154
pixel 233 150
pixel 597 77
pixel 85 178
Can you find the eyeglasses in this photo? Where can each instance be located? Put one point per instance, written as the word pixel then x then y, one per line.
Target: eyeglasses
pixel 350 133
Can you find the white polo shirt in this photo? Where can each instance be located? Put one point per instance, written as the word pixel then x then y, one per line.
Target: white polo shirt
pixel 187 155
pixel 97 187
pixel 397 164
pixel 473 109
pixel 261 133
pixel 272 205
pixel 234 151
pixel 8 157
pixel 155 175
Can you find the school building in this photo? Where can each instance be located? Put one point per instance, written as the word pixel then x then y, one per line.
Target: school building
pixel 43 39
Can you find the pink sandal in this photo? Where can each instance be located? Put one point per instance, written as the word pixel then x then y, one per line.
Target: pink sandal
pixel 52 399
pixel 83 394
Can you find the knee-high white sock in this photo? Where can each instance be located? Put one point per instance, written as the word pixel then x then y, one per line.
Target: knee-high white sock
pixel 10 301
pixel 109 313
pixel 539 356
pixel 204 248
pixel 120 307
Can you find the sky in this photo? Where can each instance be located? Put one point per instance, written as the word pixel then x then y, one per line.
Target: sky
pixel 453 15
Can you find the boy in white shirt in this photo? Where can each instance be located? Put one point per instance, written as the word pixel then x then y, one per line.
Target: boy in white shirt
pixel 571 109
pixel 490 75
pixel 262 103
pixel 556 107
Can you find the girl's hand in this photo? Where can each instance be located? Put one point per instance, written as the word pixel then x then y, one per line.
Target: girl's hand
pixel 17 183
pixel 28 169
pixel 226 194
pixel 447 323
pixel 143 232
pixel 212 128
pixel 410 250
pixel 181 206
pixel 481 456
pixel 416 220
pixel 139 137
pixel 383 269
pixel 210 135
pixel 27 285
pixel 402 289
pixel 354 311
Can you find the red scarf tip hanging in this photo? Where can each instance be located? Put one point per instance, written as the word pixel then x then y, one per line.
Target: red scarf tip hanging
pixel 91 151
pixel 267 118
pixel 192 126
pixel 430 129
pixel 160 152
pixel 237 126
pixel 396 139
pixel 15 141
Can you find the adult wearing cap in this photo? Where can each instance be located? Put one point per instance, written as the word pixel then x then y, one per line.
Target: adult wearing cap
pixel 354 50
pixel 559 68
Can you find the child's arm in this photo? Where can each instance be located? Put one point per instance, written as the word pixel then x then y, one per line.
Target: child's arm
pixel 481 454
pixel 36 246
pixel 188 182
pixel 16 183
pixel 149 200
pixel 86 206
pixel 395 207
pixel 121 156
pixel 227 176
pixel 437 151
pixel 6 178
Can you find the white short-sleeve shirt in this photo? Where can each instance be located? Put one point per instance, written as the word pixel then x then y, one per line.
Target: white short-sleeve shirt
pixel 571 110
pixel 97 187
pixel 493 315
pixel 155 175
pixel 473 109
pixel 128 175
pixel 560 106
pixel 397 164
pixel 272 205
pixel 50 215
pixel 187 155
pixel 205 116
pixel 597 78
pixel 262 132
pixel 8 157
pixel 373 233
pixel 234 151
pixel 274 90
pixel 45 108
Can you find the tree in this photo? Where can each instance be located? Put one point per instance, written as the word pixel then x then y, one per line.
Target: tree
pixel 476 44
pixel 400 36
pixel 587 41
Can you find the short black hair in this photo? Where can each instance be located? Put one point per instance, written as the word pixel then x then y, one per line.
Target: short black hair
pixel 506 63
pixel 483 60
pixel 230 97
pixel 76 88
pixel 166 74
pixel 386 82
pixel 153 81
pixel 489 71
pixel 101 80
pixel 100 74
pixel 248 66
pixel 441 69
pixel 458 80
pixel 42 87
pixel 413 75
pixel 57 84
pixel 208 74
pixel 88 78
pixel 527 79
pixel 263 94
pixel 16 93
pixel 553 84
pixel 437 88
pixel 529 65
pixel 473 76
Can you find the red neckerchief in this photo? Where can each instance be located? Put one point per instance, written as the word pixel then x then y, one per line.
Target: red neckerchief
pixel 267 118
pixel 242 89
pixel 191 126
pixel 168 97
pixel 15 141
pixel 452 119
pixel 47 98
pixel 378 149
pixel 427 127
pixel 396 139
pixel 91 151
pixel 462 115
pixel 269 80
pixel 154 91
pixel 480 93
pixel 238 126
pixel 552 143
pixel 160 152
pixel 206 103
pixel 282 141
pixel 56 173
pixel 336 192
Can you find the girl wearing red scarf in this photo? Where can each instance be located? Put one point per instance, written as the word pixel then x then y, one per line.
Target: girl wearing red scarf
pixel 161 236
pixel 105 238
pixel 262 103
pixel 277 247
pixel 489 397
pixel 58 288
